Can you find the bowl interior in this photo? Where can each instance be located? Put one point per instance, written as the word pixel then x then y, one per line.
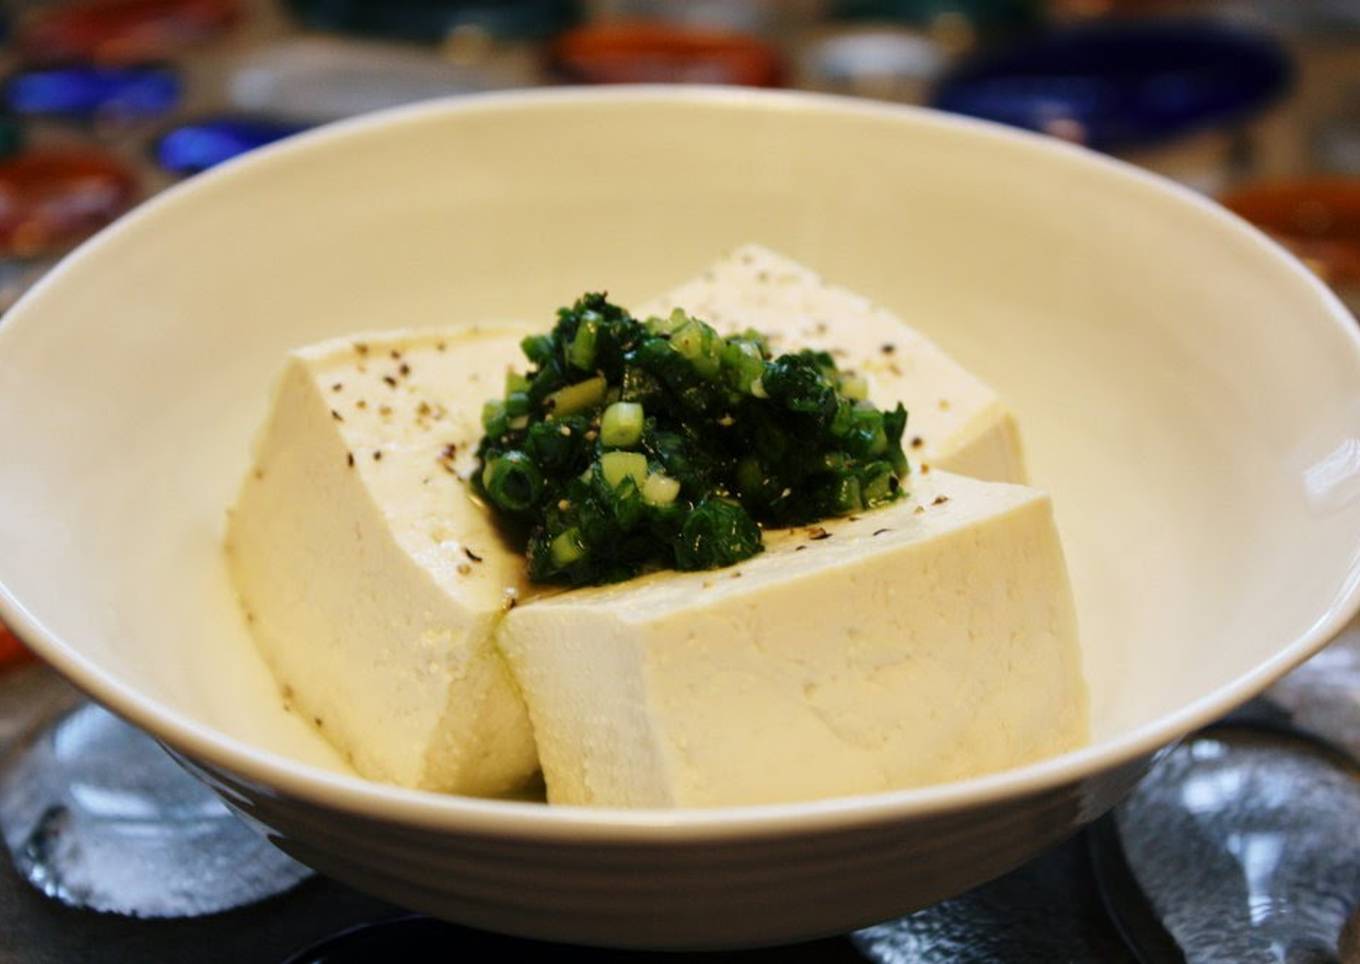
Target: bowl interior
pixel 1189 396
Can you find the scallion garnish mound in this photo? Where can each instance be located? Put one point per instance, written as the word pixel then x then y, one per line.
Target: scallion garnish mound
pixel 636 445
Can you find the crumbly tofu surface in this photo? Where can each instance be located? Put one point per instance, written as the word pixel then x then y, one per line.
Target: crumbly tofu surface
pixel 372 580
pixel 930 640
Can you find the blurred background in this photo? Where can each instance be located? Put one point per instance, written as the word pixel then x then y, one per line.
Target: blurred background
pixel 1253 102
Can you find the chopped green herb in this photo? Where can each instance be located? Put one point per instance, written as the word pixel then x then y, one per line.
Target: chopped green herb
pixel 631 445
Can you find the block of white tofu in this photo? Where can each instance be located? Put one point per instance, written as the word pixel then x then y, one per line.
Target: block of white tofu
pixel 371 579
pixel 962 425
pixel 930 640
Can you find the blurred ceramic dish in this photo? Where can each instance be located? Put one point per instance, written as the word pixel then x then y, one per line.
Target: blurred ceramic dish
pixel 1190 395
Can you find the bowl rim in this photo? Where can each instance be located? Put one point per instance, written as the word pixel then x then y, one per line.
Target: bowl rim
pixel 349 793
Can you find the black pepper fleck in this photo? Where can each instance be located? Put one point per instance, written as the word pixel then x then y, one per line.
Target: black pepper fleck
pixel 917 441
pixel 391 382
pixel 337 416
pixel 940 500
pixel 879 532
pixel 349 459
pixel 337 386
pixel 377 456
pixel 405 369
pixel 471 555
pixel 888 348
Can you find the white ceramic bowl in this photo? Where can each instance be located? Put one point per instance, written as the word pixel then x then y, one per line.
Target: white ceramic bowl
pixel 1188 392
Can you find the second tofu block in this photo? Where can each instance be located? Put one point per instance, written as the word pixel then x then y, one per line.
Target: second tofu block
pixel 931 640
pixel 961 423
